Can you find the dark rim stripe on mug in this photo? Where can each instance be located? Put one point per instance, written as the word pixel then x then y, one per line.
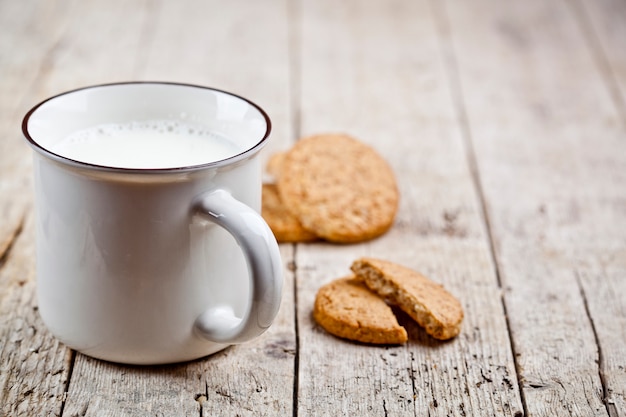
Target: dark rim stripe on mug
pixel 240 156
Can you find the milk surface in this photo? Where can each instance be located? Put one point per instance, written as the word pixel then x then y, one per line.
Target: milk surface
pixel 151 144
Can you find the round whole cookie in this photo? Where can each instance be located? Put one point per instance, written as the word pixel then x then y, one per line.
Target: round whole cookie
pixel 347 309
pixel 339 188
pixel 285 226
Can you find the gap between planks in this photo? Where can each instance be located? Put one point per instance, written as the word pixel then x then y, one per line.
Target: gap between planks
pixel 294 28
pixel 293 267
pixel 70 371
pixel 610 408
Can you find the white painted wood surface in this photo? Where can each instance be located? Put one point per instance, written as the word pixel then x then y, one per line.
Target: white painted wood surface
pixel 506 126
pixel 551 158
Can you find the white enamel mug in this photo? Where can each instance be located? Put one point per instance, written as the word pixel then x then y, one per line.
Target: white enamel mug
pixel 150 266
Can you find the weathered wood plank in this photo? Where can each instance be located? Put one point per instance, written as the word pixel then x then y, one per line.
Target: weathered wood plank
pixel 550 157
pixel 34 366
pixel 256 378
pixel 28 32
pixel 602 283
pixel 197 42
pixel 602 22
pixel 375 70
pixel 57 49
pixel 99 388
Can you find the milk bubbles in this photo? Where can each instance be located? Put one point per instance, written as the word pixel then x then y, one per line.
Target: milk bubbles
pixel 152 144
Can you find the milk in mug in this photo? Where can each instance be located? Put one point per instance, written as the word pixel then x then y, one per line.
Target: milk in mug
pixel 155 144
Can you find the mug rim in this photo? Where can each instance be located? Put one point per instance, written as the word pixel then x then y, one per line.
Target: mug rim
pixel 73 162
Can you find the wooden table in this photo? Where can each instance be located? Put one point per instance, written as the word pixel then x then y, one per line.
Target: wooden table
pixel 505 123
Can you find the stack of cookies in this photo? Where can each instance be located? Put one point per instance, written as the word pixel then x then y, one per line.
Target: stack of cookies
pixel 335 188
pixel 357 307
pixel 330 187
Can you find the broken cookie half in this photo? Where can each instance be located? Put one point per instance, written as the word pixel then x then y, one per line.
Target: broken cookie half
pixel 357 307
pixel 347 308
pixel 425 301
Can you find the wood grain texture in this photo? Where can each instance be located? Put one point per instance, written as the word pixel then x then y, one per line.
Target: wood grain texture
pixel 28 32
pixel 256 377
pixel 375 70
pixel 505 124
pixel 601 277
pixel 548 145
pixel 35 366
pixel 603 24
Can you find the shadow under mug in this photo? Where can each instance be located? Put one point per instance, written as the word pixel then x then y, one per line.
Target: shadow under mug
pixel 152 266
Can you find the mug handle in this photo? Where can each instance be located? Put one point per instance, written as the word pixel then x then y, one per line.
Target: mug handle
pixel 219 324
